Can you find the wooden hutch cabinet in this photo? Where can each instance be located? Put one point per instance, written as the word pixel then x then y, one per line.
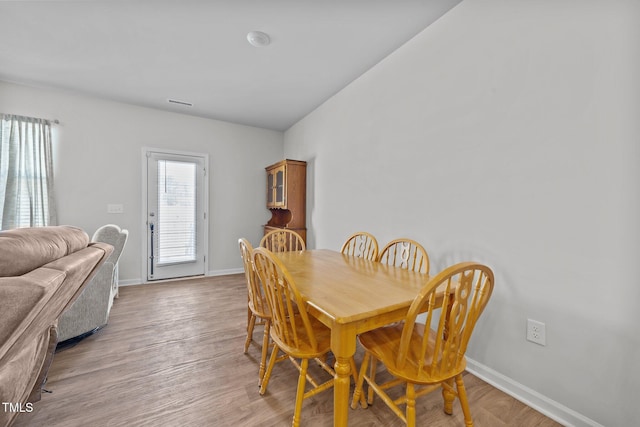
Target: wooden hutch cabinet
pixel 287 196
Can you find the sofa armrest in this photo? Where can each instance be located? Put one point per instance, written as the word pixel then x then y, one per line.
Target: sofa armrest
pixel 22 299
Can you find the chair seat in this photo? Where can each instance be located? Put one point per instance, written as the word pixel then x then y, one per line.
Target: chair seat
pixel 304 350
pixel 383 344
pixel 263 312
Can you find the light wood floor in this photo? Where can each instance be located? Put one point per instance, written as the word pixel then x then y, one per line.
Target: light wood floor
pixel 172 355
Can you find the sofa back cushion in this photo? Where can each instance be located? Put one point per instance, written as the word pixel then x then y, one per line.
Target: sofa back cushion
pixel 25 249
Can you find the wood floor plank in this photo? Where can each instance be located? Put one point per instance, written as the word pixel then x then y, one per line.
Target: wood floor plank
pixel 172 355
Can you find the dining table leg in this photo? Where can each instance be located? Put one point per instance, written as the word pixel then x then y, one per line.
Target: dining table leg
pixel 343 345
pixel 447 396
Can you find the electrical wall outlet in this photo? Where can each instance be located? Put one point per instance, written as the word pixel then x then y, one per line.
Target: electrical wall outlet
pixel 536 332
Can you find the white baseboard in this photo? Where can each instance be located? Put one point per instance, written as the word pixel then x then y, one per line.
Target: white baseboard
pixel 129 282
pixel 225 272
pixel 552 409
pixel 132 282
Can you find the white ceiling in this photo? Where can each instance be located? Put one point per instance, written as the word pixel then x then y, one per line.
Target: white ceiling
pixel 145 52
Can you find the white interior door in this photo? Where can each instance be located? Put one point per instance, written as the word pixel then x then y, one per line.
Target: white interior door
pixel 175 215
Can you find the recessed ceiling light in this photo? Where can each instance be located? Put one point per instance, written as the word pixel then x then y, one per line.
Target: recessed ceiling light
pixel 258 39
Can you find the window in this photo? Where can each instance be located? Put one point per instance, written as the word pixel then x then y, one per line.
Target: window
pixel 26 173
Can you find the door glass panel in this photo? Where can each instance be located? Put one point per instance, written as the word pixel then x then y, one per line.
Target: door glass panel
pixel 176 212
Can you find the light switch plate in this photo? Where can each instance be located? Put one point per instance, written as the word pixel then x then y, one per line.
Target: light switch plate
pixel 115 208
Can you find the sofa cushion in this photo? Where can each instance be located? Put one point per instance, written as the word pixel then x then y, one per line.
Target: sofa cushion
pixel 23 250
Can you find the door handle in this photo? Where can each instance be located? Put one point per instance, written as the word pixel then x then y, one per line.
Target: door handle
pixel 151 233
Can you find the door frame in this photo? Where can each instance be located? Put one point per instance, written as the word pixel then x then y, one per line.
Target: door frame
pixel 143 214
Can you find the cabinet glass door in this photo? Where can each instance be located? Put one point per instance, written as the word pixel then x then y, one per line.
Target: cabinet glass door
pixel 269 189
pixel 280 187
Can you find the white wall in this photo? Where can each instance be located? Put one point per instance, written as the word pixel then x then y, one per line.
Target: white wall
pixel 507 133
pixel 97 155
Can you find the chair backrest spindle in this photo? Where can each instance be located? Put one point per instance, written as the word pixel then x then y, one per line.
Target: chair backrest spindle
pixel 283 240
pixel 361 244
pixel 405 253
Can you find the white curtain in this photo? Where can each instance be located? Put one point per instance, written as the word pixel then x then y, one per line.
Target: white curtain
pixel 26 173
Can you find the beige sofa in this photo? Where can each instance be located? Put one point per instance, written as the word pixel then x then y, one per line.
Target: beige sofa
pixel 42 271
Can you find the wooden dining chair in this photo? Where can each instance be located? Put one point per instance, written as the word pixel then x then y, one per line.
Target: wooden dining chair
pixel 283 240
pixel 405 253
pixel 259 312
pixel 429 356
pixel 293 331
pixel 361 244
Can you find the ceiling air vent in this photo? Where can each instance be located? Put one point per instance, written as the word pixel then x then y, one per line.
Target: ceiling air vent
pixel 183 103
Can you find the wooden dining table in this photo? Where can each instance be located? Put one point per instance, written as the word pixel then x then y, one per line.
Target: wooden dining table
pixel 350 295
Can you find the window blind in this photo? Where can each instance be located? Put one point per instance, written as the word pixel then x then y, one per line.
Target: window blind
pixel 176 221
